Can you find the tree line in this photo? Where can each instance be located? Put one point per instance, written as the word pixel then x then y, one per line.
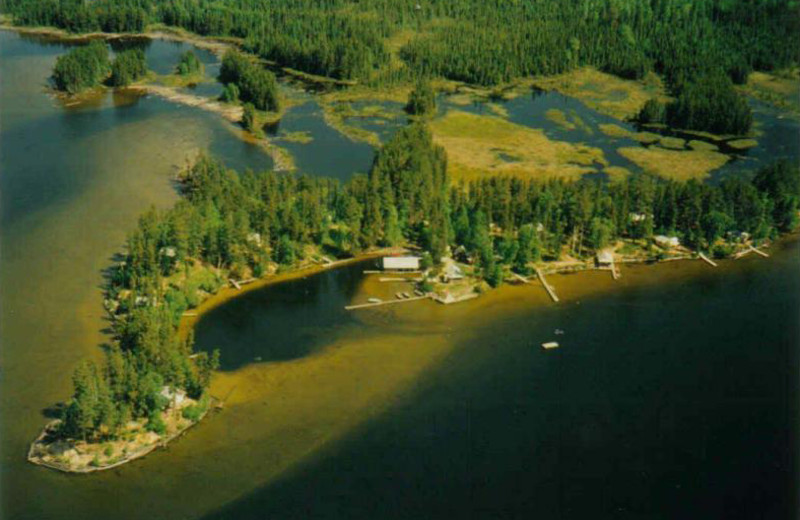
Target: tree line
pixel 691 44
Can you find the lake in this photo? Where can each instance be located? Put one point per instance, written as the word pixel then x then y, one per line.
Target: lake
pixel 674 394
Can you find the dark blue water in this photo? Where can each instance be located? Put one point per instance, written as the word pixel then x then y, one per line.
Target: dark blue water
pixel 668 400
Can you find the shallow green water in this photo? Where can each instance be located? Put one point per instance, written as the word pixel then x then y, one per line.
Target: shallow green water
pixel 673 396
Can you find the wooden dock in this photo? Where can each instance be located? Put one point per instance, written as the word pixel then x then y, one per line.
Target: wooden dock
pixel 758 252
pixel 235 284
pixel 707 259
pixel 614 271
pixel 386 302
pixel 546 285
pixel 520 278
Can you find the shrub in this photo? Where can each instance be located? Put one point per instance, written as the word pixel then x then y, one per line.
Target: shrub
pixel 155 423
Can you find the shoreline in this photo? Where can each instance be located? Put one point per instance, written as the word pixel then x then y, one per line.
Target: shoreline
pixel 146 450
pixel 229 293
pixel 282 159
pixel 186 324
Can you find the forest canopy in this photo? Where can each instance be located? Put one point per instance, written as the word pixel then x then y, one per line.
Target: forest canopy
pixel 484 42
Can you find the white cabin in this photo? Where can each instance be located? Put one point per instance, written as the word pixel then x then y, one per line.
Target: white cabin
pixel 605 257
pixel 401 263
pixel 666 242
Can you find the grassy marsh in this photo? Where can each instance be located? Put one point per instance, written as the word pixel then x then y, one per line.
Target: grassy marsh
pixel 605 93
pixel 673 164
pixel 477 144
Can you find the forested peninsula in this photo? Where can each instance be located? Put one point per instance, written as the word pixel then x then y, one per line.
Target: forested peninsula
pixel 232 226
pixel 235 226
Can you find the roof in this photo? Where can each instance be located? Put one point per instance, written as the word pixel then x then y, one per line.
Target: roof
pixel 605 256
pixel 401 262
pixel 453 271
pixel 661 239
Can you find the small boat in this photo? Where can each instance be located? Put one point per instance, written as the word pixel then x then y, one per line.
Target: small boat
pixel 399 296
pixel 550 345
pixel 559 332
pixel 374 300
pixel 406 295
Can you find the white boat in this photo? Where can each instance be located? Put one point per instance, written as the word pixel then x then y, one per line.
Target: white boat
pixel 374 300
pixel 550 345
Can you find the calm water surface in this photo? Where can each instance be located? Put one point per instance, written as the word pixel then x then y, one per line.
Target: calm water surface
pixel 674 394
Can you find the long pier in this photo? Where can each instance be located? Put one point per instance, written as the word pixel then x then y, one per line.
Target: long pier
pixel 520 278
pixel 614 272
pixel 707 259
pixel 546 285
pixel 386 302
pixel 758 251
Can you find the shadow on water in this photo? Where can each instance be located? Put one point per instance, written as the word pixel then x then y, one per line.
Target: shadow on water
pixel 280 322
pixel 624 421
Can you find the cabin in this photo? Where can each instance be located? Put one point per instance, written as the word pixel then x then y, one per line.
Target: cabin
pixel 175 397
pixel 401 263
pixel 254 238
pixel 452 272
pixel 605 258
pixel 168 251
pixel 637 217
pixel 666 242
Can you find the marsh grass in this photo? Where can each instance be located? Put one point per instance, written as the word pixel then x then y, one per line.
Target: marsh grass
pixel 610 95
pixel 479 145
pixel 673 164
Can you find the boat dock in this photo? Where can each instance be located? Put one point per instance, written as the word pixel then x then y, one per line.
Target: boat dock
pixel 520 278
pixel 546 285
pixel 614 270
pixel 707 259
pixel 386 302
pixel 758 251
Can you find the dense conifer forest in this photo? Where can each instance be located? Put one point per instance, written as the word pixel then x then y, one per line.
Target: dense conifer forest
pixel 701 48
